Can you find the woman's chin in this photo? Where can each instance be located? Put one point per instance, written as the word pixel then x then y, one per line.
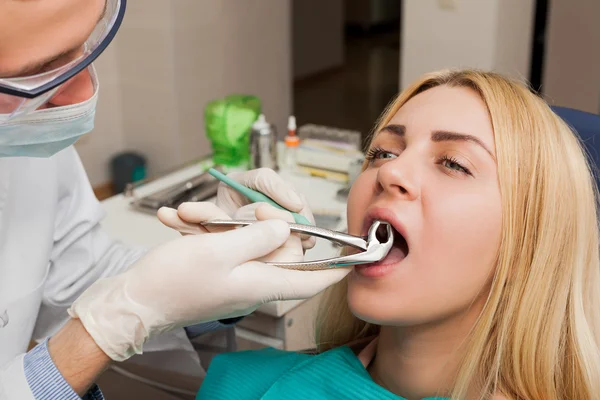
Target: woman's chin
pixel 374 308
pixel 388 305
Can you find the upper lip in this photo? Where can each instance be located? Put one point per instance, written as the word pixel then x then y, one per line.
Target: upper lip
pixel 383 214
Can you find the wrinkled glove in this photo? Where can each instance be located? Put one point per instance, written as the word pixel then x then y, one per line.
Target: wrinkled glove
pixel 195 213
pixel 193 279
pixel 237 206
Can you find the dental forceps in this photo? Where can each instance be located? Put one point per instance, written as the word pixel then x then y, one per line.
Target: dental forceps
pixel 372 249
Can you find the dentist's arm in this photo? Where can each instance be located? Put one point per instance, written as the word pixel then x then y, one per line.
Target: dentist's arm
pixel 193 279
pixel 67 371
pixel 77 356
pixel 189 280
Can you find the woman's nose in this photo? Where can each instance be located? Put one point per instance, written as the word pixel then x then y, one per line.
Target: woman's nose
pixel 399 178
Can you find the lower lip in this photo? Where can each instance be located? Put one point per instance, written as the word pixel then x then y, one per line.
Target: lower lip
pixel 383 267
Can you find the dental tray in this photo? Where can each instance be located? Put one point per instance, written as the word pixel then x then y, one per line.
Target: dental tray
pixel 199 188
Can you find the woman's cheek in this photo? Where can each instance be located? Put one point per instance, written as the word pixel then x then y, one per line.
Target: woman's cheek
pixel 358 202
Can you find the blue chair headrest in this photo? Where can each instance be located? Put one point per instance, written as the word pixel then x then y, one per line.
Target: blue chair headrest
pixel 587 126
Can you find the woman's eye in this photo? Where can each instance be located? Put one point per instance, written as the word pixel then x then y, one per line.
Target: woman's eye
pixel 379 154
pixel 385 155
pixel 454 165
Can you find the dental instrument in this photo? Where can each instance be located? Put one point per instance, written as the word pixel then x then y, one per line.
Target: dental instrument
pixel 373 249
pixel 255 196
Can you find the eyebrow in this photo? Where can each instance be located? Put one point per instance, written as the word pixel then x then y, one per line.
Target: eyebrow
pixel 40 65
pixel 441 136
pixel 399 130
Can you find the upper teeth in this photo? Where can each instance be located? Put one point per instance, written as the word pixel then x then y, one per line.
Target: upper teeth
pixel 382 232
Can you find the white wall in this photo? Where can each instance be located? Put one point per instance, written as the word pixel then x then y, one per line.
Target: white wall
pixel 514 37
pixel 572 60
pixel 170 58
pixel 489 34
pixel 107 137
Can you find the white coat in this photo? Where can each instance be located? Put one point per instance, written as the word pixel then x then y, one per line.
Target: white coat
pixel 51 249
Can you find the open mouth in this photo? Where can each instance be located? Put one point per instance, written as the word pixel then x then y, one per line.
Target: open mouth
pixel 400 243
pixel 400 247
pixel 397 253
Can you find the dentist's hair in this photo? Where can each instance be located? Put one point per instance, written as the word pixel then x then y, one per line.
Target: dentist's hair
pixel 538 336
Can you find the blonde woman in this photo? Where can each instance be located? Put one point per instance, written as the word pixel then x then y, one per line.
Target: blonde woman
pixel 493 287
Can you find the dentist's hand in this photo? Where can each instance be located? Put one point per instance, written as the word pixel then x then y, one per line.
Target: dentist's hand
pixel 193 279
pixel 195 213
pixel 235 205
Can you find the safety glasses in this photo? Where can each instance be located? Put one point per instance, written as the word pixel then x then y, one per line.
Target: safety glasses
pixel 22 95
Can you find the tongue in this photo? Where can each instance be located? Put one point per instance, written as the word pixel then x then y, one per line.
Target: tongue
pixel 395 255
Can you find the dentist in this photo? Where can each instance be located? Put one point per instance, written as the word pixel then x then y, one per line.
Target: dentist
pixel 61 276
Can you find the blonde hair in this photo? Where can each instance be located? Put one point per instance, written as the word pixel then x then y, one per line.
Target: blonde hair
pixel 539 332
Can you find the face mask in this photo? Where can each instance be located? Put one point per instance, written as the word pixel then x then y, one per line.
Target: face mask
pixel 44 133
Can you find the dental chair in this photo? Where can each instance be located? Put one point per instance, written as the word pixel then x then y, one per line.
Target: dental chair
pixel 587 126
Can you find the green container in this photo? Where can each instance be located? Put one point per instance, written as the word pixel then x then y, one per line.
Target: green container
pixel 228 124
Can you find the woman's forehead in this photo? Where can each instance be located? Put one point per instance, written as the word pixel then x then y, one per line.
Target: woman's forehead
pixel 455 109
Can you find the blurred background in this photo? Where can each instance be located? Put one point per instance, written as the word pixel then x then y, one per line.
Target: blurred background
pixel 330 62
pixel 333 63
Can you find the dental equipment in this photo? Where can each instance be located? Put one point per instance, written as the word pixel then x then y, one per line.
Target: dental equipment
pixel 255 196
pixel 372 249
pixel 198 188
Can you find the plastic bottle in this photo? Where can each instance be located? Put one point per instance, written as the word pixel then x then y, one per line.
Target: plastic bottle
pixel 292 141
pixel 263 144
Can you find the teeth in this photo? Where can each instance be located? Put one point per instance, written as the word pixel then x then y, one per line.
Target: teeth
pixel 399 240
pixel 381 233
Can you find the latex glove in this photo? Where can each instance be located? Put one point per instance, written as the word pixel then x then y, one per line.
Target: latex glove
pixel 193 279
pixel 187 218
pixel 237 206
